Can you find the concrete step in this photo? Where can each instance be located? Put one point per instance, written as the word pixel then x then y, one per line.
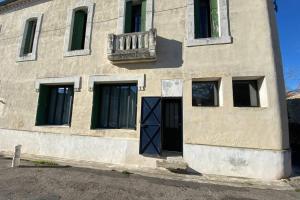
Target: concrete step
pixel 172 163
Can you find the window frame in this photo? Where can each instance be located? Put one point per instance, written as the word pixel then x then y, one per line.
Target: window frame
pixel 224 32
pixel 217 87
pixel 257 92
pixel 89 6
pixel 95 118
pixel 48 105
pixel 21 57
pixel 122 13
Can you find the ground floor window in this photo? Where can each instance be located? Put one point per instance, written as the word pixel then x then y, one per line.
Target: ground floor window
pixel 114 106
pixel 245 93
pixel 55 105
pixel 205 93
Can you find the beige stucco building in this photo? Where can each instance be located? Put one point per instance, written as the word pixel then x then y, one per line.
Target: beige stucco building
pixel 145 79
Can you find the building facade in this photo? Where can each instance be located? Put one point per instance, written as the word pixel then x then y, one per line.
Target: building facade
pixel 134 82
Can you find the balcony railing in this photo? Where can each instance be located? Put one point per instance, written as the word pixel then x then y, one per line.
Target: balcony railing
pixel 132 47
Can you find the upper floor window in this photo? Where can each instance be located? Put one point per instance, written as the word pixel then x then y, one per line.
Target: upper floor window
pixel 29 39
pixel 135 17
pixel 207 22
pixel 29 36
pixel 79 29
pixel 206 18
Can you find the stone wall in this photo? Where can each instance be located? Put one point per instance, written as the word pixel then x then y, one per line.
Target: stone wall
pixel 254 52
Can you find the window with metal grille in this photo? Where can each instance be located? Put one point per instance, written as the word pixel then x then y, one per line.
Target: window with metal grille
pixel 114 106
pixel 55 105
pixel 29 36
pixel 79 29
pixel 206 18
pixel 245 93
pixel 205 93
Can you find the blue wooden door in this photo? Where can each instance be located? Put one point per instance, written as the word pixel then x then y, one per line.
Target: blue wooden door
pixel 150 141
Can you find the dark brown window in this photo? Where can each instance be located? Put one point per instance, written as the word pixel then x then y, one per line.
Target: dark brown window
pixel 205 93
pixel 245 93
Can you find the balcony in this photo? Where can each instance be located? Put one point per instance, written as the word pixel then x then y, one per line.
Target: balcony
pixel 132 47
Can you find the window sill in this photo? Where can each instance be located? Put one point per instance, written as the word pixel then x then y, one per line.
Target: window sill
pixel 82 52
pixel 209 41
pixel 29 57
pixel 53 126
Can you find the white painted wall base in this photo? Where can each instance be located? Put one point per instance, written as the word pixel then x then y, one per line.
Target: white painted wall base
pixel 118 151
pixel 238 162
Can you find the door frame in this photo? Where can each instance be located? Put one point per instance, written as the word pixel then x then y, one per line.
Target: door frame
pixel 161 126
pixel 162 122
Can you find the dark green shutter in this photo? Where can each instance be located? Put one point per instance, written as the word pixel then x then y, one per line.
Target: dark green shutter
pixel 79 26
pixel 143 17
pixel 128 16
pixel 197 18
pixel 214 18
pixel 95 108
pixel 31 26
pixel 41 116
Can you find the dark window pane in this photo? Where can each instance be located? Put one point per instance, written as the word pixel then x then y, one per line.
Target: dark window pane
pixel 205 93
pixel 29 36
pixel 58 106
pixel 79 30
pixel 104 106
pixel 117 106
pixel 202 18
pixel 136 18
pixel 245 93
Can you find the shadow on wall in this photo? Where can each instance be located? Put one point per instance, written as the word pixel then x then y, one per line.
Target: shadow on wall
pixel 23 6
pixel 294 128
pixel 168 52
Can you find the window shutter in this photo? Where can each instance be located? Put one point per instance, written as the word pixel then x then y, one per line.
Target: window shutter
pixel 143 18
pixel 96 107
pixel 79 26
pixel 128 16
pixel 197 18
pixel 214 18
pixel 29 37
pixel 41 116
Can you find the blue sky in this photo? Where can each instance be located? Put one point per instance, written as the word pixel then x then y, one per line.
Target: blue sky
pixel 288 18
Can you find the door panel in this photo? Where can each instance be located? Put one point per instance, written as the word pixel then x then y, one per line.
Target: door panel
pixel 150 141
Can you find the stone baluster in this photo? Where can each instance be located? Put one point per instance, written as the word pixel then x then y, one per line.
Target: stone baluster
pixel 134 41
pixel 122 42
pixel 146 40
pixel 128 42
pixel 140 41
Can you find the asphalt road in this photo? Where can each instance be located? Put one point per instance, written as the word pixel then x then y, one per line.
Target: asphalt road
pixel 44 182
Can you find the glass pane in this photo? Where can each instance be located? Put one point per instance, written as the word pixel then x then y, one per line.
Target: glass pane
pixel 104 106
pixel 114 107
pixel 245 93
pixel 67 106
pixel 132 107
pixel 59 106
pixel 124 104
pixel 52 106
pixel 204 93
